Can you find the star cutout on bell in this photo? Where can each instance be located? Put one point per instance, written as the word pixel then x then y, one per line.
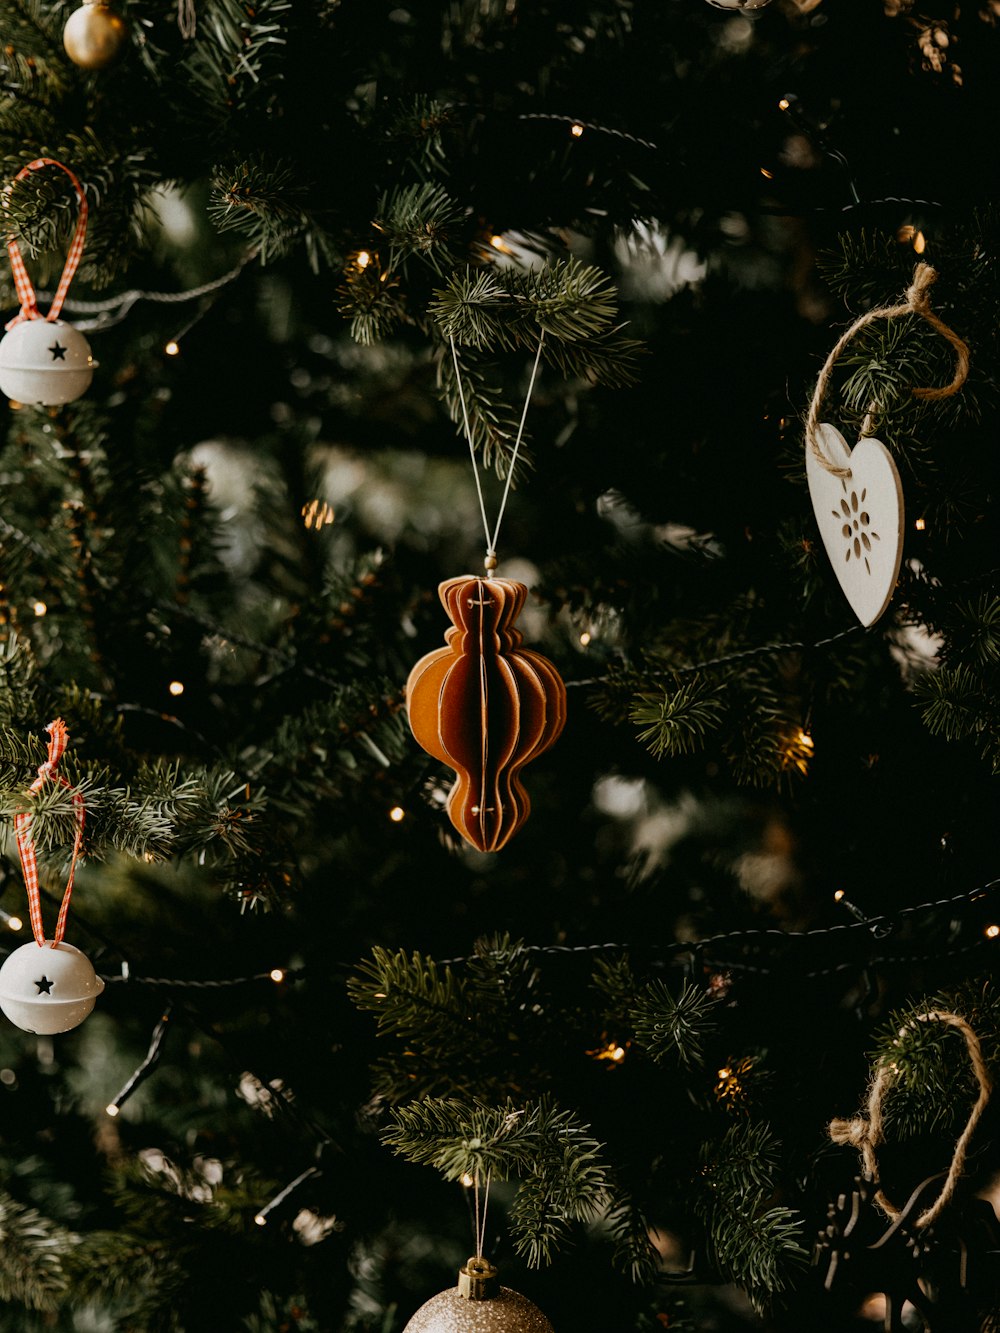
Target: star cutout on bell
pixel 44 985
pixel 58 351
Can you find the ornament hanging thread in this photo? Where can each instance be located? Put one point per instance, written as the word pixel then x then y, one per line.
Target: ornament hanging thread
pixel 857 495
pixel 484 705
pixel 44 360
pixel 48 986
pixel 478 1303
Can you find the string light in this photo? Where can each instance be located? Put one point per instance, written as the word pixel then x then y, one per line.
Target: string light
pixel 584 638
pixel 991 932
pixel 799 750
pixel 919 243
pixel 176 687
pixel 261 1217
pixel 397 813
pixel 784 104
pixel 838 895
pixel 317 514
pixel 468 1181
pixel 40 609
pixel 277 974
pixel 768 175
pixel 730 1085
pixel 920 524
pixel 362 259
pixel 576 129
pixel 150 1062
pixel 612 1052
pixel 10 921
pixel 172 348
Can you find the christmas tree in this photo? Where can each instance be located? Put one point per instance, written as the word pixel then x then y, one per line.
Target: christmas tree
pixel 374 291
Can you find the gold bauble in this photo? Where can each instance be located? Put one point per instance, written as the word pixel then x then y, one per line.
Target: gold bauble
pixel 478 1305
pixel 94 35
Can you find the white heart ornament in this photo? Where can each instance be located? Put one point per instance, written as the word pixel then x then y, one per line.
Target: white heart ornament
pixel 860 518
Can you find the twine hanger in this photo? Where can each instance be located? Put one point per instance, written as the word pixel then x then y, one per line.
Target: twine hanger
pixel 866 1133
pixel 917 302
pixel 491 539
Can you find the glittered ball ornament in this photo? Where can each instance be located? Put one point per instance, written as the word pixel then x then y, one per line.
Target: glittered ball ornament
pixel 94 36
pixel 45 361
pixel 478 1304
pixel 47 988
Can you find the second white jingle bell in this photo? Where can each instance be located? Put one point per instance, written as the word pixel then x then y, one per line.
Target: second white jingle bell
pixel 46 362
pixel 47 988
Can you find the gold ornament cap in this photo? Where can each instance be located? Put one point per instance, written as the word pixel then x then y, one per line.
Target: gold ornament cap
pixel 477 1281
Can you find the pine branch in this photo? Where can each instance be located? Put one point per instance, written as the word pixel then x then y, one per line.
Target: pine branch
pixel 673 1030
pixel 262 201
pixel 558 1162
pixel 32 1257
pixel 757 1246
pixel 420 221
pixel 677 723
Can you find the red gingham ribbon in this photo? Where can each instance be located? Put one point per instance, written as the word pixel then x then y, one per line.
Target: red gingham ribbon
pixel 25 291
pixel 58 736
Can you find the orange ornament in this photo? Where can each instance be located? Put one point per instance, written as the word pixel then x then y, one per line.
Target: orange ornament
pixel 485 706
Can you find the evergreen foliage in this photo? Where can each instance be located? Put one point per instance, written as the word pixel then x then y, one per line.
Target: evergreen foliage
pixel 218 567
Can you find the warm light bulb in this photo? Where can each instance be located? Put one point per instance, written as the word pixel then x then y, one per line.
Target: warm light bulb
pixel 576 130
pixel 363 259
pixel 992 932
pixel 39 608
pixel 396 813
pixel 838 895
pixel 317 514
pixel 784 104
pixel 14 923
pixel 725 1073
pixel 261 1220
pixel 496 242
pixel 919 243
pixel 277 974
pixel 920 524
pixel 805 740
pixel 172 347
pixel 176 687
pixel 112 1109
pixel 584 638
pixel 618 1054
pixel 468 1181
pixel 768 175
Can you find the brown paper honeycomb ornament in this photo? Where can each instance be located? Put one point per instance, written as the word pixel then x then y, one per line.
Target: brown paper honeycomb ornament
pixel 485 706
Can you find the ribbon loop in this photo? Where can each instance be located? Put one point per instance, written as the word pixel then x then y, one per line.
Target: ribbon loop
pixel 22 283
pixel 58 737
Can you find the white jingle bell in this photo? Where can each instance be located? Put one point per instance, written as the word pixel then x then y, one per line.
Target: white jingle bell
pixel 48 988
pixel 45 361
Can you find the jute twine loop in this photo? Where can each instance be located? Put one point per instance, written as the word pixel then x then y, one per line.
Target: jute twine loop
pixel 917 302
pixel 866 1132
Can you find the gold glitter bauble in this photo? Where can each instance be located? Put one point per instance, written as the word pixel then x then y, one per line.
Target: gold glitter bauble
pixel 450 1312
pixel 94 36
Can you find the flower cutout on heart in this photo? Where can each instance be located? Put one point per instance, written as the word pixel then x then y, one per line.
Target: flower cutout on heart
pixel 856 525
